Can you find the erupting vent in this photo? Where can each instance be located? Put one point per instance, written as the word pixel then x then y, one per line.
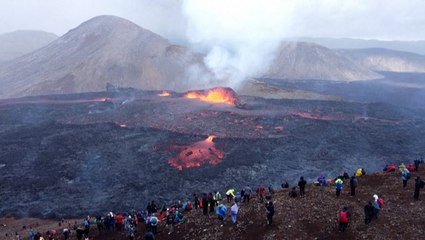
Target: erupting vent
pixel 214 95
pixel 164 94
pixel 198 154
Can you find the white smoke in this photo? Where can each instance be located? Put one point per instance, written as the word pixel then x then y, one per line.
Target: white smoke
pixel 240 37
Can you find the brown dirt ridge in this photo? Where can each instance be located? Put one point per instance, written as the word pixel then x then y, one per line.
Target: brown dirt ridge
pixel 311 217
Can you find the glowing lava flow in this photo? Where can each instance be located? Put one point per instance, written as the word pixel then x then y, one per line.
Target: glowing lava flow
pixel 215 95
pixel 198 154
pixel 164 94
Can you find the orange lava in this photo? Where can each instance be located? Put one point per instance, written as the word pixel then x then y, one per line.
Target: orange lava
pixel 215 95
pixel 164 94
pixel 198 154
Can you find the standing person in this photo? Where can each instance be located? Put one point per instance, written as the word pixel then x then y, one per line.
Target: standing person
pixel 368 212
pixel 261 191
pixel 269 212
pixel 405 176
pixel 217 198
pixel 338 186
pixel 353 185
pixel 419 183
pixel 212 202
pixel 205 204
pixel 221 212
pixel 234 211
pixel 376 206
pixel 170 221
pixel 65 233
pixel 416 163
pixel 344 216
pixel 196 200
pixel 301 185
pixel 154 223
pixel 247 193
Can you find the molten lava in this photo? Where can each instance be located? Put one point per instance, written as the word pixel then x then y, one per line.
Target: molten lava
pixel 198 154
pixel 164 94
pixel 214 95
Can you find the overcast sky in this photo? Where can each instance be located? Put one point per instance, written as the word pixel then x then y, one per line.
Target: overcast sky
pixel 378 19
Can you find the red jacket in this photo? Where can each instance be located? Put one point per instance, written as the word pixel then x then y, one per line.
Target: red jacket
pixel 410 168
pixel 119 218
pixel 391 168
pixel 343 217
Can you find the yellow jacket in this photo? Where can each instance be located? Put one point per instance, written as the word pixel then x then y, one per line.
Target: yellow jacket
pixel 359 172
pixel 231 192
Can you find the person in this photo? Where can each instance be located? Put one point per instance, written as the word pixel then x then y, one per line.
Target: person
pixel 322 180
pixel 261 191
pixel 391 168
pixel 269 212
pixel 385 168
pixel 359 172
pixel 170 221
pixel 344 216
pixel 230 195
pixel 221 212
pixel 234 212
pixel 401 167
pixel 247 193
pixel 345 175
pixel 368 211
pixel 419 183
pixel 86 226
pixel 405 176
pixel 205 204
pixel 410 167
pixel 338 186
pixel 212 202
pixel 237 197
pixel 271 190
pixel 65 233
pixel 31 233
pixel 416 163
pixel 154 223
pixel 376 207
pixel 301 185
pixel 217 198
pixel 120 220
pixel 195 200
pixel 353 185
pixel 293 192
pixel 285 185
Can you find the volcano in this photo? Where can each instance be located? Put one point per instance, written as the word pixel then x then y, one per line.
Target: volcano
pixel 105 49
pixel 106 146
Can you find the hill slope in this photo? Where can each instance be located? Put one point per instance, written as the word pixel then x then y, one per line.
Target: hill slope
pixel 101 50
pixel 380 59
pixel 311 217
pixel 19 43
pixel 300 60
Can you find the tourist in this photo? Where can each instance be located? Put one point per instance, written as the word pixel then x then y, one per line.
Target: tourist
pixel 344 216
pixel 419 183
pixel 221 212
pixel 369 213
pixel 301 185
pixel 353 185
pixel 405 176
pixel 234 212
pixel 338 186
pixel 269 212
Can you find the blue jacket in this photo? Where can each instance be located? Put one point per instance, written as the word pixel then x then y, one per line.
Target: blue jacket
pixel 221 210
pixel 404 174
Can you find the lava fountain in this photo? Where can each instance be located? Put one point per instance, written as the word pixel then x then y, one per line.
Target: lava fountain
pixel 214 95
pixel 197 154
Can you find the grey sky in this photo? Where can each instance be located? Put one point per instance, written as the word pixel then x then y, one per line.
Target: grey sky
pixel 379 19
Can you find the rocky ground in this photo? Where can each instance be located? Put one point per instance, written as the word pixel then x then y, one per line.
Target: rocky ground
pixel 71 155
pixel 311 217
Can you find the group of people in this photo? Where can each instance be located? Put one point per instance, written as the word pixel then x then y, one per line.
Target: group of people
pixel 213 203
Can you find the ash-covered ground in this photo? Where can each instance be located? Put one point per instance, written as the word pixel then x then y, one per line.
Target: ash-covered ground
pixel 72 155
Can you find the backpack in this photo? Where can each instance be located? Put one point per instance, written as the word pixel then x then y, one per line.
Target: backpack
pixel 381 203
pixel 407 175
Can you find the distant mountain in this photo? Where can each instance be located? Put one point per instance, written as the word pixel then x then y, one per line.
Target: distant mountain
pixel 105 49
pixel 407 46
pixel 380 59
pixel 18 43
pixel 301 60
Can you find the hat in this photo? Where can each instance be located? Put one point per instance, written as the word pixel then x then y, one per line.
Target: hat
pixel 375 197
